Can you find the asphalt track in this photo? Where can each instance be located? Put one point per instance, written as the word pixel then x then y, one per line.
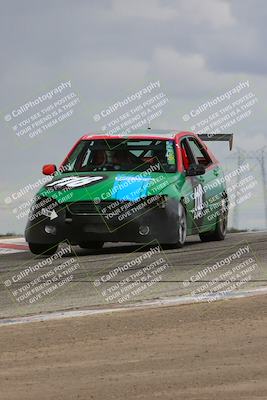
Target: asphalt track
pixel 91 279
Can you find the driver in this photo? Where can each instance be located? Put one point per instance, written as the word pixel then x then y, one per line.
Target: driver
pixel 121 157
pixel 99 158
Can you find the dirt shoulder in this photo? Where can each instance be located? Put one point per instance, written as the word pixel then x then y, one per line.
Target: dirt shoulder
pixel 199 351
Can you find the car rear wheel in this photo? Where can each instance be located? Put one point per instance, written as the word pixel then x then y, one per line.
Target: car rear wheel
pixel 45 249
pixel 91 245
pixel 221 225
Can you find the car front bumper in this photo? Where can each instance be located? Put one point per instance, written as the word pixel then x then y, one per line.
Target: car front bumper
pixel 143 226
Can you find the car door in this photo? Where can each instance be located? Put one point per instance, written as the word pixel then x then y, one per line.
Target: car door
pixel 192 192
pixel 207 193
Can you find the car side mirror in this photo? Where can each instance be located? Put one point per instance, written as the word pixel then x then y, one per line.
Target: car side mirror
pixel 49 169
pixel 195 169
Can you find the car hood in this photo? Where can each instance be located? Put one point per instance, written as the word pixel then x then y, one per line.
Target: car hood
pixel 108 185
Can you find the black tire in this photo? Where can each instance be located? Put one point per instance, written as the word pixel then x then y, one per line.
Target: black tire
pixel 221 225
pixel 182 229
pixel 182 226
pixel 44 249
pixel 91 245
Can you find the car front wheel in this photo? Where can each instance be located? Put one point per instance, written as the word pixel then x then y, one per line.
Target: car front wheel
pixel 182 226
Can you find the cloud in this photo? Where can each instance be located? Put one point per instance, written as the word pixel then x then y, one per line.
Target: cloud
pixel 112 76
pixel 186 75
pixel 149 9
pixel 216 13
pixel 109 48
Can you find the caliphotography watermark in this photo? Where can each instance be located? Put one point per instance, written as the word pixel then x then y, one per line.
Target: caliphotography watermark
pixel 224 111
pixel 23 202
pixel 133 277
pixel 229 274
pixel 133 196
pixel 232 190
pixel 39 114
pixel 38 279
pixel 133 112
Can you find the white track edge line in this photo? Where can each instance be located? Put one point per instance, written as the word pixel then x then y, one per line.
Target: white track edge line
pixel 179 300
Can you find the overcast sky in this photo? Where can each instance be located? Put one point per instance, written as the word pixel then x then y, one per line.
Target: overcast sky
pixel 109 49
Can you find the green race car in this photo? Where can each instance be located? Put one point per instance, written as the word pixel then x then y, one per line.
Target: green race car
pixel 149 185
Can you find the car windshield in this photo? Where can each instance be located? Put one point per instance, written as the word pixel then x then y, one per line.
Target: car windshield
pixel 122 155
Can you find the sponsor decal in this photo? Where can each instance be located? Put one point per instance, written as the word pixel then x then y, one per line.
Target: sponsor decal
pixel 131 188
pixel 199 203
pixel 170 153
pixel 73 182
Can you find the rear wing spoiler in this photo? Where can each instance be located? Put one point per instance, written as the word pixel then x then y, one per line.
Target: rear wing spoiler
pixel 223 137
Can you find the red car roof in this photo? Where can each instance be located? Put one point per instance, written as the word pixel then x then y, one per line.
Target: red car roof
pixel 140 134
